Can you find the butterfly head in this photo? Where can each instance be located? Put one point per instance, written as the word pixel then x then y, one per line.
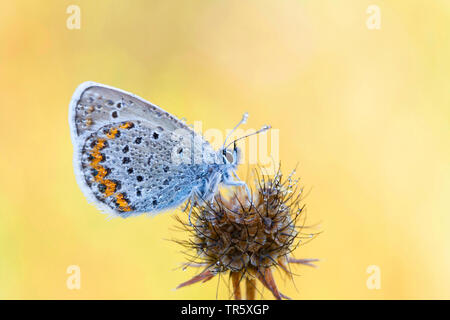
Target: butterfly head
pixel 231 156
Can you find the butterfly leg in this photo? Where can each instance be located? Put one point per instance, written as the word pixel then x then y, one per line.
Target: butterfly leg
pixel 189 217
pixel 238 183
pixel 192 202
pixel 187 204
pixel 249 194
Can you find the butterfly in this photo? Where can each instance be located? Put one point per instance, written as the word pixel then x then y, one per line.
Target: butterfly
pixel 133 157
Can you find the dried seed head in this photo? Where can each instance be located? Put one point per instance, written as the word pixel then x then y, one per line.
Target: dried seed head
pixel 248 237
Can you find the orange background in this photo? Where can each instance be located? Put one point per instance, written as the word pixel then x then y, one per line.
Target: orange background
pixel 364 112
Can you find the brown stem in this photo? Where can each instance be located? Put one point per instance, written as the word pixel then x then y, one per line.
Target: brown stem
pixel 266 278
pixel 250 289
pixel 235 279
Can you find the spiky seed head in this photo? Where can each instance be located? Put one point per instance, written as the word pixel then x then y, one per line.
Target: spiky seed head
pixel 247 237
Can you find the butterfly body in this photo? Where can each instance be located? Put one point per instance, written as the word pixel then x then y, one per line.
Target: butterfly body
pixel 132 157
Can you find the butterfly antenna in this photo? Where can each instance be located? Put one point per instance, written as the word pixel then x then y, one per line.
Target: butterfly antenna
pixel 264 128
pixel 243 121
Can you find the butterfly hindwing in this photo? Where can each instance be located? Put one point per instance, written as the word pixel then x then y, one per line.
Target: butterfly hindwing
pixel 128 167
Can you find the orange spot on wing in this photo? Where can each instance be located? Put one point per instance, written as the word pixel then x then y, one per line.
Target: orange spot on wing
pixel 96 155
pixel 126 125
pixel 102 172
pixel 122 202
pixel 112 133
pixel 110 187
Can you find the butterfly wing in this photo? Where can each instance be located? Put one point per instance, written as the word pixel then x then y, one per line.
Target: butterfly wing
pixel 131 156
pixel 94 105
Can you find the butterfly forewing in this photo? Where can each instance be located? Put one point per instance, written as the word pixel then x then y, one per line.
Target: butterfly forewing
pixel 95 105
pixel 132 156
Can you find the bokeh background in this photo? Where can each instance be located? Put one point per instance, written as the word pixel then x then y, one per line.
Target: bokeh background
pixel 365 114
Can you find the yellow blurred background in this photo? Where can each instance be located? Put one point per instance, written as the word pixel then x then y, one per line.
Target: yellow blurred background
pixel 365 113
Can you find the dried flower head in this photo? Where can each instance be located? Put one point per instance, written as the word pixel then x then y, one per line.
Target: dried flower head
pixel 248 237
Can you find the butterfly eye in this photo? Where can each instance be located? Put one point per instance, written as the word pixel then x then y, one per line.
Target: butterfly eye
pixel 229 156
